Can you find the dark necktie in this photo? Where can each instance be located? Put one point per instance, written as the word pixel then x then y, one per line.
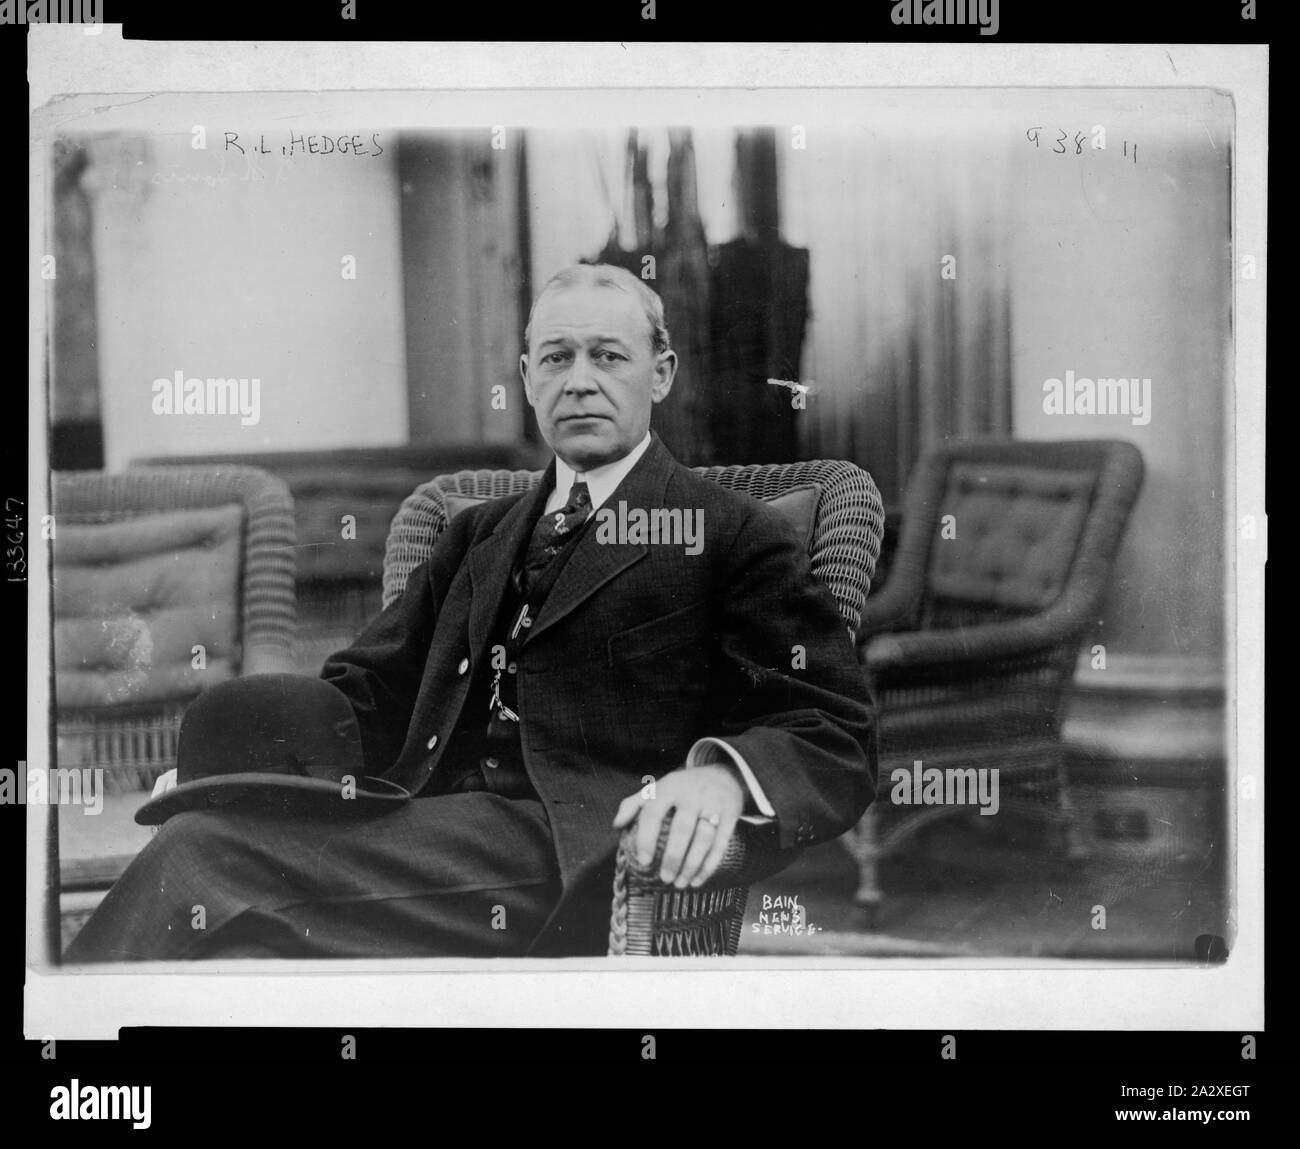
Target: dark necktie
pixel 556 529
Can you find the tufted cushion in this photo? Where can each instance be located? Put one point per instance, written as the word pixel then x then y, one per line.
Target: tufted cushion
pixel 798 505
pixel 134 596
pixel 1017 529
pixel 455 502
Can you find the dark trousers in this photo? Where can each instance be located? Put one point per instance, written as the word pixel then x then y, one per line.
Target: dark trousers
pixel 458 875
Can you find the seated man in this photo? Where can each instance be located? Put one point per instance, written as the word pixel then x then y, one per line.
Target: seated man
pixel 535 672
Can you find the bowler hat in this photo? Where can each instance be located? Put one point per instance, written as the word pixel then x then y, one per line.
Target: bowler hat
pixel 280 740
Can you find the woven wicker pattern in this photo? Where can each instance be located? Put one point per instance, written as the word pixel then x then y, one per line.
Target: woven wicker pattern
pixel 135 744
pixel 647 917
pixel 422 517
pixel 846 533
pixel 849 526
pixel 978 681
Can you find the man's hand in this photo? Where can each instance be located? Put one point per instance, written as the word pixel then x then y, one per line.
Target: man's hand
pixel 166 781
pixel 704 804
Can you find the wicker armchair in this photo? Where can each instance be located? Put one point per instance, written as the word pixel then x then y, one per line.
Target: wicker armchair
pixel 147 564
pixel 1005 553
pixel 646 916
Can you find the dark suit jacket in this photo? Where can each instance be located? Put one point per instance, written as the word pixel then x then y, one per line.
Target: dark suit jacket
pixel 639 650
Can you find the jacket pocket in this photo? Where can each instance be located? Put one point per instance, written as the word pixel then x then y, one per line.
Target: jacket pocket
pixel 689 624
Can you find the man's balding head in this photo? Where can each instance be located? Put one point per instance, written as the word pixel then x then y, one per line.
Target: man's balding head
pixel 597 359
pixel 617 279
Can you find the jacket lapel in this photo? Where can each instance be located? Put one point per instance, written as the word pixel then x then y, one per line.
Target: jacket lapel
pixel 593 563
pixel 491 562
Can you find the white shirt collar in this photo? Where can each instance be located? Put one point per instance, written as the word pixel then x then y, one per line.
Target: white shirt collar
pixel 601 480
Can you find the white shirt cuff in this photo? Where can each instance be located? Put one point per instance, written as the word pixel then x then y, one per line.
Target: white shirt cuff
pixel 716 752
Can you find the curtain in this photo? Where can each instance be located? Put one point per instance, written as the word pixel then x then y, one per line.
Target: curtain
pixel 680 274
pixel 758 318
pixel 825 265
pixel 909 340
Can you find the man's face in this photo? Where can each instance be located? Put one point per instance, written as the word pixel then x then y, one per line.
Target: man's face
pixel 591 374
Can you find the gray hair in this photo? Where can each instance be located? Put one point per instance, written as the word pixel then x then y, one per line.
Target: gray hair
pixel 608 275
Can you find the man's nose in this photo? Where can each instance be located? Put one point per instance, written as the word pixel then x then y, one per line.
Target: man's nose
pixel 580 378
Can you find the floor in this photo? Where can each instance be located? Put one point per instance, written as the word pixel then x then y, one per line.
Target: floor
pixel 1149 885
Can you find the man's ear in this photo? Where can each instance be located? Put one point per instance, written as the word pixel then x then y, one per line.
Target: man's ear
pixel 665 373
pixel 523 374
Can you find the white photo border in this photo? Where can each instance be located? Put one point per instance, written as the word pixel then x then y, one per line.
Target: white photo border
pixel 535 84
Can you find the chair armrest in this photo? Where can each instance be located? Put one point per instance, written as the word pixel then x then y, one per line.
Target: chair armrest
pixel 1027 638
pixel 892 609
pixel 751 855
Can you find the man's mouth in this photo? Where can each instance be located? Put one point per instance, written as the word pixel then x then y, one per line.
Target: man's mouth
pixel 579 418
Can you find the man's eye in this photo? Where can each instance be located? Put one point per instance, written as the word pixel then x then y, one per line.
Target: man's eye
pixel 609 356
pixel 555 357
